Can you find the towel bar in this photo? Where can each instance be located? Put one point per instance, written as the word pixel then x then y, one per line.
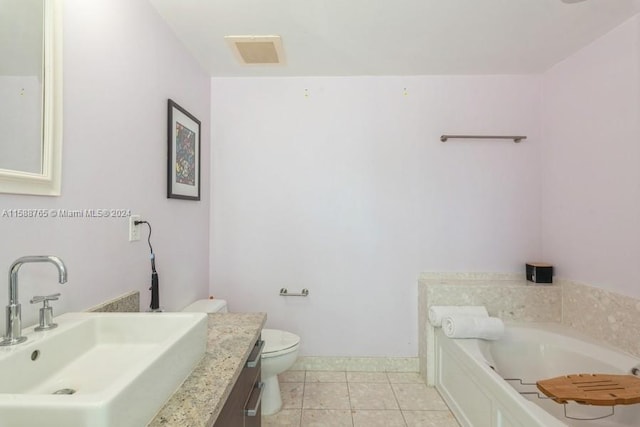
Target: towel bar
pixel 285 293
pixel 516 138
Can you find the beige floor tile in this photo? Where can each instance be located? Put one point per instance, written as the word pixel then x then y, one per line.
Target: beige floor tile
pixel 291 377
pixel 372 396
pixel 404 377
pixel 286 417
pixel 378 419
pixel 326 418
pixel 367 377
pixel 418 397
pixel 291 395
pixel 325 399
pixel 326 396
pixel 429 419
pixel 325 377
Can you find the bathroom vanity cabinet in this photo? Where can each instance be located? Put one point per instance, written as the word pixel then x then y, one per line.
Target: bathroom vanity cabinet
pixel 243 407
pixel 226 382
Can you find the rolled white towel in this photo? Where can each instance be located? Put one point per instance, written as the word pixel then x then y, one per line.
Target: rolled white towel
pixel 438 312
pixel 461 326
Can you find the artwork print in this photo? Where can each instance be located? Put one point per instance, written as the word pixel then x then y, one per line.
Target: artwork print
pixel 183 171
pixel 185 155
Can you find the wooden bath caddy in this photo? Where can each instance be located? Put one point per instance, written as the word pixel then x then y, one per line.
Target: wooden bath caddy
pixel 593 389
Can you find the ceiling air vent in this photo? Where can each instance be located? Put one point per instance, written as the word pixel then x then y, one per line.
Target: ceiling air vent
pixel 257 50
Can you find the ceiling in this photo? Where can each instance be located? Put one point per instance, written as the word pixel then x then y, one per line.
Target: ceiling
pixel 394 37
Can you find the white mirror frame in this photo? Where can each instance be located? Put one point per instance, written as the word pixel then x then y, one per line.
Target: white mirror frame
pixel 46 183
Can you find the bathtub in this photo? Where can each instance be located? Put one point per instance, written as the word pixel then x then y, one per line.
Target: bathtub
pixel 482 381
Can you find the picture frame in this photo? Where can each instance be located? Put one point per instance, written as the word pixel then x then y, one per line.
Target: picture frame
pixel 183 168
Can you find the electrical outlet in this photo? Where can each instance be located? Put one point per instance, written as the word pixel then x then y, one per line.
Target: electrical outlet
pixel 134 230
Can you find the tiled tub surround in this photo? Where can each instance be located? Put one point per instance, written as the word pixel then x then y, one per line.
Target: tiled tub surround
pixel 598 313
pixel 199 400
pixel 506 295
pixel 603 315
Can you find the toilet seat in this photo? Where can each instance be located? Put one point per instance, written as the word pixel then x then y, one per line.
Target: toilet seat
pixel 278 342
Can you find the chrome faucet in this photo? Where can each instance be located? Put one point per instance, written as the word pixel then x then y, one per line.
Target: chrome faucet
pixel 14 318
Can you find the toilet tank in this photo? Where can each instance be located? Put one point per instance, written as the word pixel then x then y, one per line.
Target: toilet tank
pixel 208 306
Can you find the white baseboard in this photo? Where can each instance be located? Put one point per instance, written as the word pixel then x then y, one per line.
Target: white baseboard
pixel 357 364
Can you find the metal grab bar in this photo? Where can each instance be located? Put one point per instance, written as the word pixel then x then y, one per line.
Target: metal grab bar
pixel 285 293
pixel 516 138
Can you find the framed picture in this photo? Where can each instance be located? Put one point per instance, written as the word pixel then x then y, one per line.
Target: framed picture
pixel 184 154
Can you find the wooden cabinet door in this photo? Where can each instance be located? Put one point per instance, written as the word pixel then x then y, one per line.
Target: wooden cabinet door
pixel 244 396
pixel 253 408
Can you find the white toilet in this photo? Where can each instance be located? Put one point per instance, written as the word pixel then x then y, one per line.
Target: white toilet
pixel 279 354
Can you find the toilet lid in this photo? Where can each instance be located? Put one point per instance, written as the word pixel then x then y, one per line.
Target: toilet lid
pixel 208 306
pixel 277 340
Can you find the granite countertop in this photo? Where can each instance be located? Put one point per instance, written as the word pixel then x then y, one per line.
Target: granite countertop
pixel 200 398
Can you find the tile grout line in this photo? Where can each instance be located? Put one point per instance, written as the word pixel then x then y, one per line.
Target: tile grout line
pixel 346 378
pixel 393 390
pixel 304 387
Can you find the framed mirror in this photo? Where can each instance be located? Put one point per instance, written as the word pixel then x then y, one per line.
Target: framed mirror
pixel 31 96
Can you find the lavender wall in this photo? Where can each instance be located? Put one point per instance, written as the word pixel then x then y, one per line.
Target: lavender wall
pixel 590 174
pixel 342 186
pixel 121 63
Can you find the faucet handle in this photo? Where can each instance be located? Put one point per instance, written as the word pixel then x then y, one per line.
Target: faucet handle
pixel 45 299
pixel 46 312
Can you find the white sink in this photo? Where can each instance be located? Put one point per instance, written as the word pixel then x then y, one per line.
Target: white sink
pixel 120 368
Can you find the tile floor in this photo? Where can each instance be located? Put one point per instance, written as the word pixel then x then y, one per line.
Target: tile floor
pixel 358 399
